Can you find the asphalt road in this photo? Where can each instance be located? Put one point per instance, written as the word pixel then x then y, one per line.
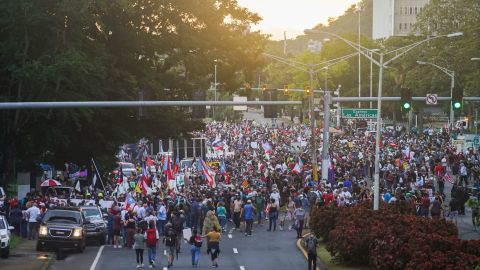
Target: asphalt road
pixel 263 250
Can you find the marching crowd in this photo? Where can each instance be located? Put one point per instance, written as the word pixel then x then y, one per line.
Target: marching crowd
pixel 262 174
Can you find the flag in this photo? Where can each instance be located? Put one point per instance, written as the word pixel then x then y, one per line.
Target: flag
pixel 169 169
pixel 146 190
pixel 176 165
pixel 77 186
pixel 222 167
pixel 207 172
pixel 217 144
pixel 149 161
pixel 94 180
pixel 448 178
pixel 129 201
pixel 245 183
pixel 83 173
pixel 298 167
pixel 120 178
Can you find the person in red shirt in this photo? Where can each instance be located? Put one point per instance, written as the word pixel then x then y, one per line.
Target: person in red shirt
pixel 328 197
pixel 439 170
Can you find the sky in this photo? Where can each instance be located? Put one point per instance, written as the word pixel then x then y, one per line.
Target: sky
pixel 293 16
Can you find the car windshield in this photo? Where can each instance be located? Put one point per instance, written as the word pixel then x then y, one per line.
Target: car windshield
pixel 91 213
pixel 2 224
pixel 62 216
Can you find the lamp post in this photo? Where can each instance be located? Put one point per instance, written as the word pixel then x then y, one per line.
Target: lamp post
pixel 381 63
pixel 215 88
pixel 451 74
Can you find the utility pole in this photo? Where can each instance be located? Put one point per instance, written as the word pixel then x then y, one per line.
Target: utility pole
pixel 311 73
pixel 326 127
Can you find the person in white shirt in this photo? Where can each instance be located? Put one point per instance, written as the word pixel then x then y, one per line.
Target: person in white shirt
pixel 276 196
pixel 32 213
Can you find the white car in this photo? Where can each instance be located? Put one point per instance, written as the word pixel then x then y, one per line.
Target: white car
pixel 5 237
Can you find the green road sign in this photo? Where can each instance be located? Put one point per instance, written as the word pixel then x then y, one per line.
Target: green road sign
pixel 359 113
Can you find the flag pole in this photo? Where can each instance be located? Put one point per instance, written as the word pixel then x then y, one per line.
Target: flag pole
pixel 98 174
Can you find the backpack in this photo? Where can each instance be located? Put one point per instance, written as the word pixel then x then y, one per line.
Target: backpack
pixel 170 237
pixel 178 224
pixel 151 237
pixel 197 241
pixel 311 245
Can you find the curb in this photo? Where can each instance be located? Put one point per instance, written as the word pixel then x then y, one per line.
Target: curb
pixel 320 265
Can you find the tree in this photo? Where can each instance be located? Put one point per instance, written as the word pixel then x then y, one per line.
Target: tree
pixel 110 50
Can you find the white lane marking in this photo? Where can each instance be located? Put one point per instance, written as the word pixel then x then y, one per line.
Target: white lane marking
pixel 235 250
pixel 99 253
pixel 230 235
pixel 165 268
pixel 242 268
pixel 165 252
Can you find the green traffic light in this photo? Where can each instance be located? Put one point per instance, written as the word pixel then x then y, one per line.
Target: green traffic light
pixel 457 105
pixel 406 105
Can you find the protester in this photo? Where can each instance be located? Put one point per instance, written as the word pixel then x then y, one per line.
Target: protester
pixel 151 236
pixel 196 243
pixel 139 246
pixel 213 238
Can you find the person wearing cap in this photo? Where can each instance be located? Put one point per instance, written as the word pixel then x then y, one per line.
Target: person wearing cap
pixel 248 212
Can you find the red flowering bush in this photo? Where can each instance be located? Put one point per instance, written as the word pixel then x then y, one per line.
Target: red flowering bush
pixel 322 221
pixel 392 238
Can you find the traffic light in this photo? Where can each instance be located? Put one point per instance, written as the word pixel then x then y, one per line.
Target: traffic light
pixel 406 99
pixel 285 90
pixel 307 91
pixel 457 99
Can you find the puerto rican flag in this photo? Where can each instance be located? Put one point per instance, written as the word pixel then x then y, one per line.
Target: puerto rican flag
pixel 217 144
pixel 167 168
pixel 298 167
pixel 129 201
pixel 406 152
pixel 208 174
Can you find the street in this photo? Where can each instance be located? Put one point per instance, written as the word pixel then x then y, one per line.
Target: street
pixel 262 250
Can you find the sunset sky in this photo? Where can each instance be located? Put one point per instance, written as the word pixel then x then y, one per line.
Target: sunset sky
pixel 294 16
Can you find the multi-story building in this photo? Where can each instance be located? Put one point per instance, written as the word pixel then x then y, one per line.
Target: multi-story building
pixel 395 17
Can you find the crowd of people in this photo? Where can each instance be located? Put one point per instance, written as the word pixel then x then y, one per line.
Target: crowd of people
pixel 258 174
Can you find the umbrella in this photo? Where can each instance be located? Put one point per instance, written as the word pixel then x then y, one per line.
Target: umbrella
pixel 50 183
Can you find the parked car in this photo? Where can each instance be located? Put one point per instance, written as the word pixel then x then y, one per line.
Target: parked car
pixel 62 227
pixel 96 229
pixel 5 237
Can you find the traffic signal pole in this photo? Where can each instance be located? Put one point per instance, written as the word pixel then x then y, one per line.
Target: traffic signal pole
pixel 311 72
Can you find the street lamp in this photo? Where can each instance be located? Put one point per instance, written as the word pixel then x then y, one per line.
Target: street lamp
pixel 381 63
pixel 358 9
pixel 451 74
pixel 371 73
pixel 215 88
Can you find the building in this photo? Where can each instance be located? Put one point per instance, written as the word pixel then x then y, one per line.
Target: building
pixel 395 17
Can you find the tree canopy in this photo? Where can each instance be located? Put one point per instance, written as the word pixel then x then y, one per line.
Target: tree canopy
pixel 110 50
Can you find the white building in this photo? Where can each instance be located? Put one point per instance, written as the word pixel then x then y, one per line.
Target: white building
pixel 395 17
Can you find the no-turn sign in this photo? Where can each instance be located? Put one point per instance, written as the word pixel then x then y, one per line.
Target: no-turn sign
pixel 432 99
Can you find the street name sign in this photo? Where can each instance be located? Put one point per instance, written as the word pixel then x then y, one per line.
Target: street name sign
pixel 359 113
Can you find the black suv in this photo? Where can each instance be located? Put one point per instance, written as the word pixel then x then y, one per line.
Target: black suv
pixel 62 228
pixel 96 227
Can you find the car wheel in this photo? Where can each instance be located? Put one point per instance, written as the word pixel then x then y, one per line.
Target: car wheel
pixel 39 247
pixel 82 247
pixel 101 240
pixel 6 252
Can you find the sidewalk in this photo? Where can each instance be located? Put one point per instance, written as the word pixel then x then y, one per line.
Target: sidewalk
pixel 25 257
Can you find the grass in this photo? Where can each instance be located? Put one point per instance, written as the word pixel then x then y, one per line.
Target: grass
pixel 326 258
pixel 14 241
